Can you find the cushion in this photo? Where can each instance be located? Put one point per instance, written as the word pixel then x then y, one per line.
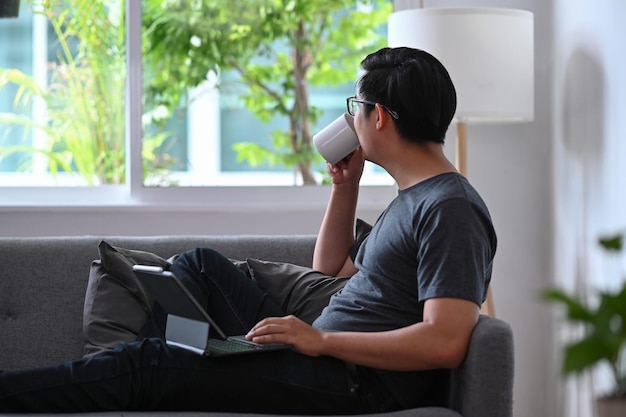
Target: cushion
pixel 301 291
pixel 116 305
pixel 362 231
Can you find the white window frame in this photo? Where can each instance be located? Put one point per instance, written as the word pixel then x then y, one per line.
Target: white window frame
pixel 134 193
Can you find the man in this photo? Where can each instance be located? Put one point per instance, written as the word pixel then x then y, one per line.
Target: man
pixel 386 341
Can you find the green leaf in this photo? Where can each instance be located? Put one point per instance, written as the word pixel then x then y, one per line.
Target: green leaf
pixel 613 243
pixel 252 153
pixel 580 356
pixel 575 309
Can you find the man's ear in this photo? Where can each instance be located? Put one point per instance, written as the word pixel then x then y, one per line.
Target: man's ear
pixel 382 117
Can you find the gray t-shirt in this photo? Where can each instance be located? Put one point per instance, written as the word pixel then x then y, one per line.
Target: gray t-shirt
pixel 435 239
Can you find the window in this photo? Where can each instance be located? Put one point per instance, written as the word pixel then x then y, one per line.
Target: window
pixel 192 144
pixel 64 100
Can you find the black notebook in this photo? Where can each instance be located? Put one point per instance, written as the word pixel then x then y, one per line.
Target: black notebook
pixel 188 324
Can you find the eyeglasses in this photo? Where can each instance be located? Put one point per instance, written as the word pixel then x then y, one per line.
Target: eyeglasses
pixel 353 106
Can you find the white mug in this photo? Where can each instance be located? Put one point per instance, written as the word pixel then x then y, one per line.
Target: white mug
pixel 337 140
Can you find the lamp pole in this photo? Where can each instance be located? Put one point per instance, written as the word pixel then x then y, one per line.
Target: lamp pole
pixel 461 147
pixel 488 306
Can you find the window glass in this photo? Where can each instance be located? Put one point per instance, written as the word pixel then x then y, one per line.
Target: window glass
pixel 224 71
pixel 18 55
pixel 62 87
pixel 207 114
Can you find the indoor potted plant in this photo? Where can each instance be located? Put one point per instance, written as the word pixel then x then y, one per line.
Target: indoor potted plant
pixel 604 339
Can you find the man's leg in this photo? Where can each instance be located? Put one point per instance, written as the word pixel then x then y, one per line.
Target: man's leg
pixel 234 301
pixel 149 375
pixel 113 380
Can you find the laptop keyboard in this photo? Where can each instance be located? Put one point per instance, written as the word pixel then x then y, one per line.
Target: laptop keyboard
pixel 230 345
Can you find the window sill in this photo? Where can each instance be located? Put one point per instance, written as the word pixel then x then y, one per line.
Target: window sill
pixel 240 199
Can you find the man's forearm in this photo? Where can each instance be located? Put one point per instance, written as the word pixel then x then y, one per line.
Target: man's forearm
pixel 440 341
pixel 336 234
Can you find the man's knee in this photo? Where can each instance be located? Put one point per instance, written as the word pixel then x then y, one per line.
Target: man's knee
pixel 200 258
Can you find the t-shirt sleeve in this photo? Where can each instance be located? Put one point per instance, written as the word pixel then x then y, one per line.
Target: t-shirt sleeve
pixel 456 252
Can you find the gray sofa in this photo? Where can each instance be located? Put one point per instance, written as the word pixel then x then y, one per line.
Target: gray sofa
pixel 43 283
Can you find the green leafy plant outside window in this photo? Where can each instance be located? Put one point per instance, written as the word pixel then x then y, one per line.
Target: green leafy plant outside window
pixel 278 48
pixel 84 123
pixel 321 44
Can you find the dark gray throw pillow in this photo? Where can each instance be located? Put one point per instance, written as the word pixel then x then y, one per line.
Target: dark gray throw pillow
pixel 116 305
pixel 362 231
pixel 301 291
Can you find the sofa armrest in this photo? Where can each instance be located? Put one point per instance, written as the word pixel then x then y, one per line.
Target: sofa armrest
pixel 483 385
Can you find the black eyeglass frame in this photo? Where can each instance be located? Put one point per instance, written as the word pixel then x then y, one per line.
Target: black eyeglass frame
pixel 353 99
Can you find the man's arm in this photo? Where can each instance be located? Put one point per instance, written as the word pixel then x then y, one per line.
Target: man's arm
pixel 440 341
pixel 336 235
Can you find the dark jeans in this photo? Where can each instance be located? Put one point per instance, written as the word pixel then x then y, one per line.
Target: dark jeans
pixel 150 375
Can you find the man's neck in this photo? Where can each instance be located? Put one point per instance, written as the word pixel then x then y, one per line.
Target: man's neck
pixel 418 163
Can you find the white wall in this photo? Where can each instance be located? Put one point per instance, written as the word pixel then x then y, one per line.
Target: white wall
pixel 552 185
pixel 160 220
pixel 589 164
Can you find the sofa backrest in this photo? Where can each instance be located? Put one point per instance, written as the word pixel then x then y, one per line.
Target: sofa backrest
pixel 43 283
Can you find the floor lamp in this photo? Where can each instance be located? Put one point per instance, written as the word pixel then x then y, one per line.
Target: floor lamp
pixel 489 55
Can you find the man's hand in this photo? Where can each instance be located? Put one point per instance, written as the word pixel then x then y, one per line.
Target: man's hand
pixel 349 169
pixel 289 330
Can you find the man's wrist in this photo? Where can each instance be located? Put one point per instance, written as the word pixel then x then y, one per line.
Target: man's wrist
pixel 344 187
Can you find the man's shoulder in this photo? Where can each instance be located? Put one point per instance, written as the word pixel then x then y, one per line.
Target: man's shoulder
pixel 438 189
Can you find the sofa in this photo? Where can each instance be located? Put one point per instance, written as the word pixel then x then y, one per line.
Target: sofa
pixel 43 282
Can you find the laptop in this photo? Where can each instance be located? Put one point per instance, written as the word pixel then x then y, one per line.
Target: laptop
pixel 188 324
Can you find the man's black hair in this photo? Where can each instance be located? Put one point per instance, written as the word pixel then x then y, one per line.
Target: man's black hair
pixel 414 84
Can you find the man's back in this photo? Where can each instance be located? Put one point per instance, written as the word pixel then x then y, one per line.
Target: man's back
pixel 440 221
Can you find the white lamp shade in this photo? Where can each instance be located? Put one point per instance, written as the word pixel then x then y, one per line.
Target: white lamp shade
pixel 487 51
